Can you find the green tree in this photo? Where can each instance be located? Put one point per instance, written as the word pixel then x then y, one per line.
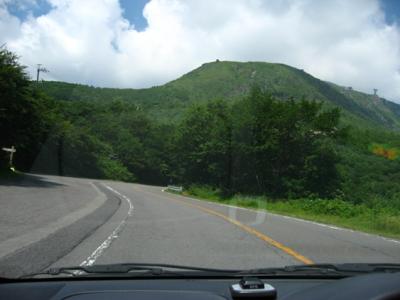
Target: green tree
pixel 205 145
pixel 26 114
pixel 282 147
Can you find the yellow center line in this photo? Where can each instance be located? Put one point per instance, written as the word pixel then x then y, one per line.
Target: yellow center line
pixel 252 231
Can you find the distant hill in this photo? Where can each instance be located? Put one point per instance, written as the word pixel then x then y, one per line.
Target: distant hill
pixel 232 80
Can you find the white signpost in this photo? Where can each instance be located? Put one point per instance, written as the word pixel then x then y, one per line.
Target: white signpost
pixel 11 150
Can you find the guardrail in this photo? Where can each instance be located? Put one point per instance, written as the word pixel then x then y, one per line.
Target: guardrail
pixel 175 188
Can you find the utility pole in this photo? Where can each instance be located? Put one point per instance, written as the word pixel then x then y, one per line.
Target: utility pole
pixel 40 69
pixel 375 92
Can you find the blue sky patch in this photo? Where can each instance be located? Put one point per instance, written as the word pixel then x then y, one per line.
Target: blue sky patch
pixel 22 9
pixel 392 10
pixel 133 12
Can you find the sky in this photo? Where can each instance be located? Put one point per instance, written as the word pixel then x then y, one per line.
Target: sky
pixel 142 43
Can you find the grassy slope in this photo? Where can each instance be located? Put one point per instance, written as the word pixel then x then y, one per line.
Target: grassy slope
pixel 381 109
pixel 385 222
pixel 232 80
pixel 7 174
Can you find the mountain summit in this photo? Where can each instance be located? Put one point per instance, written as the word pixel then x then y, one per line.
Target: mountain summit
pixel 233 80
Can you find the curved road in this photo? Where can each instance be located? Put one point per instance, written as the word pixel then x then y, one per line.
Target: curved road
pixel 138 223
pixel 167 228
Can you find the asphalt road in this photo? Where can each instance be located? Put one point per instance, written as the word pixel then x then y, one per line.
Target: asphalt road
pixel 138 223
pixel 167 228
pixel 37 200
pixel 42 218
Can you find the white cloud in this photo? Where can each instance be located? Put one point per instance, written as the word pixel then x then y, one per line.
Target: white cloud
pixel 347 42
pixel 9 25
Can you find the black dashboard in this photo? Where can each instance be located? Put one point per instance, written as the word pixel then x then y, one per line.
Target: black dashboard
pixel 374 286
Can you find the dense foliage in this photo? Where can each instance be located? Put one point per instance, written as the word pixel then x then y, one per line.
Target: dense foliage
pixel 256 143
pixel 25 114
pixel 45 139
pixel 261 145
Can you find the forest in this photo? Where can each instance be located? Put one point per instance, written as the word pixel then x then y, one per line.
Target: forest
pixel 255 144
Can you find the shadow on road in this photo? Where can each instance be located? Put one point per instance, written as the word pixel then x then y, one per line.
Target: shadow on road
pixel 27 180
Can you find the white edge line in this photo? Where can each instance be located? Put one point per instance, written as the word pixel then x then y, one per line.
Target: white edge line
pixel 296 219
pixel 91 259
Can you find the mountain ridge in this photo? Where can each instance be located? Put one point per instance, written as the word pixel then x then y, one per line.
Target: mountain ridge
pixel 233 80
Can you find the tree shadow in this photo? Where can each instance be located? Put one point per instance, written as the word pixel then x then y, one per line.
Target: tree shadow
pixel 29 180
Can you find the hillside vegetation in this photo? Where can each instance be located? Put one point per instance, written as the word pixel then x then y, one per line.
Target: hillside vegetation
pixel 236 128
pixel 232 81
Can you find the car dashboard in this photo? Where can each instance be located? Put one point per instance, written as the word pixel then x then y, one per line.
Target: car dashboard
pixel 374 286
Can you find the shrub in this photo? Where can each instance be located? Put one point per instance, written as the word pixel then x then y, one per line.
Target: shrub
pixel 387 223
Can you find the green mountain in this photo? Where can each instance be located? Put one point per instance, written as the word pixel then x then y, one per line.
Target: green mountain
pixel 259 145
pixel 233 80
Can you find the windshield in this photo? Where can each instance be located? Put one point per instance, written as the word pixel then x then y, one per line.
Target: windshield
pixel 232 135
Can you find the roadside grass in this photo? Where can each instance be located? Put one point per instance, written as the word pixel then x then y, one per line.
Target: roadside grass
pixel 383 221
pixel 9 174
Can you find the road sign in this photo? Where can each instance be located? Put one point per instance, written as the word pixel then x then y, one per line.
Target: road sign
pixel 11 150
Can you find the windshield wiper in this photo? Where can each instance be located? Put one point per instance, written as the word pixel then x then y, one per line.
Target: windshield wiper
pixel 346 269
pixel 131 269
pixel 151 270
